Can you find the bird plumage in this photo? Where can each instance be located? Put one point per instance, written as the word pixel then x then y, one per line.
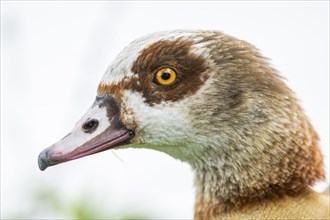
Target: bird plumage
pixel 229 115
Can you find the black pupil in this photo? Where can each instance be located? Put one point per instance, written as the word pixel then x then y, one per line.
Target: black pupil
pixel 166 75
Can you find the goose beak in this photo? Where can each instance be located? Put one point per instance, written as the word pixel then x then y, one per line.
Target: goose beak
pixel 99 129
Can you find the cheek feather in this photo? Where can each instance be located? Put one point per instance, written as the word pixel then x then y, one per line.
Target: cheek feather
pixel 128 117
pixel 157 124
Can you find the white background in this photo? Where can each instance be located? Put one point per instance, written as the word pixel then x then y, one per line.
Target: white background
pixel 53 55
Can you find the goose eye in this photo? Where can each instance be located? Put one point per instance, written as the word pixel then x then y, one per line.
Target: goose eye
pixel 165 76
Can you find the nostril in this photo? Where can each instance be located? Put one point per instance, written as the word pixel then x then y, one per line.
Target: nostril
pixel 90 125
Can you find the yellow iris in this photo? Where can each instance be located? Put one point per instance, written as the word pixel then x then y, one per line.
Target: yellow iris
pixel 165 76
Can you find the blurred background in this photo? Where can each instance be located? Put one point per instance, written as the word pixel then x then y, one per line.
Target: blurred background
pixel 53 54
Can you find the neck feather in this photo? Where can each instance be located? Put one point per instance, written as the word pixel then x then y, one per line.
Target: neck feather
pixel 244 180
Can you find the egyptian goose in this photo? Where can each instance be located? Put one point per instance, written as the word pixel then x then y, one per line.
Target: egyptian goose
pixel 212 101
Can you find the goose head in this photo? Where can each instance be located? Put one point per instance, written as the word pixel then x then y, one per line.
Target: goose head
pixel 207 99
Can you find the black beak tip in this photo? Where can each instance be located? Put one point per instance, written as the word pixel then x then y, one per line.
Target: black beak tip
pixel 42 161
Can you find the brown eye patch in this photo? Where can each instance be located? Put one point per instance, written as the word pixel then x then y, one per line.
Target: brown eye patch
pixel 176 54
